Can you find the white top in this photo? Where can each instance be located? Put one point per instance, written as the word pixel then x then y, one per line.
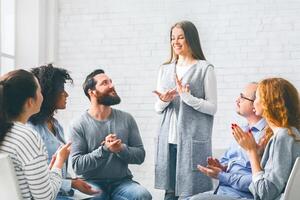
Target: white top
pixel 207 105
pixel 181 70
pixel 29 157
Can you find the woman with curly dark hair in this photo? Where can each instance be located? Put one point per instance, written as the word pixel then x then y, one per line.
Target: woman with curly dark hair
pixel 52 81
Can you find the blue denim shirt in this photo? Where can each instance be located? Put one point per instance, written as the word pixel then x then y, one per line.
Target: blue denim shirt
pixel 236 180
pixel 52 143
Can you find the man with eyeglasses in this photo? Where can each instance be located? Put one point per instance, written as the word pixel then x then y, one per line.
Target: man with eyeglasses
pixel 233 170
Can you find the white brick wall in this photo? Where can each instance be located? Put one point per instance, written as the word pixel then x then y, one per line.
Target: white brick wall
pixel 245 40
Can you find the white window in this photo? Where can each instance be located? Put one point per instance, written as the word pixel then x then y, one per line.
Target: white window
pixel 7 35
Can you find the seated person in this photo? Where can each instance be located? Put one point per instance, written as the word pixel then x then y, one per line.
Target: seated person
pixel 105 141
pixel 52 82
pixel 234 170
pixel 277 100
pixel 20 98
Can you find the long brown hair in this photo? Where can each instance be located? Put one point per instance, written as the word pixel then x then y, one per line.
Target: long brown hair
pixel 280 103
pixel 192 39
pixel 15 88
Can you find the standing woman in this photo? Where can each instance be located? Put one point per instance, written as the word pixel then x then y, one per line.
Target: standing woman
pixel 20 97
pixel 277 100
pixel 52 81
pixel 187 100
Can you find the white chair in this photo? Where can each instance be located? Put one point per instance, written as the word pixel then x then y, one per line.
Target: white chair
pixel 9 187
pixel 293 185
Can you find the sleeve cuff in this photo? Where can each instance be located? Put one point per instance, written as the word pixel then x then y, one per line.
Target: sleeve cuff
pixel 66 185
pixel 124 153
pixel 161 105
pixel 104 148
pixel 101 152
pixel 57 171
pixel 257 176
pixel 223 177
pixel 186 97
pixel 190 100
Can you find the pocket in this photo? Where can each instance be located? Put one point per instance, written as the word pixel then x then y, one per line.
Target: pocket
pixel 200 150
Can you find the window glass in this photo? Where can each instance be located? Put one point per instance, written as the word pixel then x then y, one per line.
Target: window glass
pixel 7 64
pixel 8 27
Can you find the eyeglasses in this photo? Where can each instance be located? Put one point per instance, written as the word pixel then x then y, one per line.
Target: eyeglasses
pixel 243 97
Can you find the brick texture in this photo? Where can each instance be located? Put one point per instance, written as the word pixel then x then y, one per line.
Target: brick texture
pixel 245 40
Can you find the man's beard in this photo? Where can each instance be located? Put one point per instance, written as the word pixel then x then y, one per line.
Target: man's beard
pixel 108 100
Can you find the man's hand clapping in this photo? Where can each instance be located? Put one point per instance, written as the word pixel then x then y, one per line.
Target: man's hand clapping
pixel 213 168
pixel 113 143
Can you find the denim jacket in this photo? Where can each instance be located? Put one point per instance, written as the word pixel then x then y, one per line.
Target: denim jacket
pixel 53 143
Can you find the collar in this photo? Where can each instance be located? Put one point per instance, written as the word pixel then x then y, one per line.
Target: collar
pixel 259 126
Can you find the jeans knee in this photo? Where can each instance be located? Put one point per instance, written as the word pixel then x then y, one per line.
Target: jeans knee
pixel 146 195
pixel 142 194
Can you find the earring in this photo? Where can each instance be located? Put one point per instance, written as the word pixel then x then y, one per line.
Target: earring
pixel 254 110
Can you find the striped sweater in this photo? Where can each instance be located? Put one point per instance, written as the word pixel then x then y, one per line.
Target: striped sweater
pixel 29 156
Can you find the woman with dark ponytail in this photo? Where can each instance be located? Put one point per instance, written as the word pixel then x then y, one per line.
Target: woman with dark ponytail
pixel 20 97
pixel 4 125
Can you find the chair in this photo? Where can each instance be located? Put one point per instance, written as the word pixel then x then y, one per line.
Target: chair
pixel 292 187
pixel 9 187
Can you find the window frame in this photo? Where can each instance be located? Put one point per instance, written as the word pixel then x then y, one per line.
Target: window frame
pixel 4 55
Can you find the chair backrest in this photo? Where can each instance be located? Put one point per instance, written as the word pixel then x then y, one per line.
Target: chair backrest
pixel 293 185
pixel 9 187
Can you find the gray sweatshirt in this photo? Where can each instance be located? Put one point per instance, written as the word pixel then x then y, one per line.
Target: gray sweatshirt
pixel 94 161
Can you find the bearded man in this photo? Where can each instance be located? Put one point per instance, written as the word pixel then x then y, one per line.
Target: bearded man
pixel 104 141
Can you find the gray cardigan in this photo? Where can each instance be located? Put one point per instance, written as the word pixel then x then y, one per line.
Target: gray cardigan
pixel 194 136
pixel 277 162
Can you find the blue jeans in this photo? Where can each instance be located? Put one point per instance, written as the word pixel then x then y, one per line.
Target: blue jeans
pixel 121 190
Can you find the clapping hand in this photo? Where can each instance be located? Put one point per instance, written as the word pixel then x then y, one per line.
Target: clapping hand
pixel 210 170
pixel 113 143
pixel 83 187
pixel 262 145
pixel 167 96
pixel 60 156
pixel 213 168
pixel 245 139
pixel 216 163
pixel 52 161
pixel 181 88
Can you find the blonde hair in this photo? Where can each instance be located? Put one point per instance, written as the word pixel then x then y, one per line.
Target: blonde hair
pixel 280 103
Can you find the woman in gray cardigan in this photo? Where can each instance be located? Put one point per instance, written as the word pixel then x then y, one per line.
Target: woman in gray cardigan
pixel 277 100
pixel 187 101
